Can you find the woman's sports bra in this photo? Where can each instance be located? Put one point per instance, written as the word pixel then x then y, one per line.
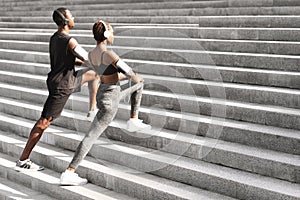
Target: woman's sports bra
pixel 103 69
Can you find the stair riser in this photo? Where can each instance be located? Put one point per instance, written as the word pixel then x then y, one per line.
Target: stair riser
pixel 274 22
pixel 175 31
pixel 22 68
pixel 172 12
pixel 122 6
pixel 263 78
pixel 26 57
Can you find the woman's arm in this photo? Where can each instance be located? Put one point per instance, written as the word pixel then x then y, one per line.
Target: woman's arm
pixel 124 68
pixel 78 62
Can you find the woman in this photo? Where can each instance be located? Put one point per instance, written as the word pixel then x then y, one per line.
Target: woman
pixel 111 70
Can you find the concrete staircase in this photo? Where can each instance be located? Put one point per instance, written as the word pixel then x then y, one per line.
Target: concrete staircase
pixel 221 92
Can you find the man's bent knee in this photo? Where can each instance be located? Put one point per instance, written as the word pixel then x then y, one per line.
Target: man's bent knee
pixel 44 123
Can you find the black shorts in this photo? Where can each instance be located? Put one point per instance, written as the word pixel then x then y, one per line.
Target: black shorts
pixel 58 98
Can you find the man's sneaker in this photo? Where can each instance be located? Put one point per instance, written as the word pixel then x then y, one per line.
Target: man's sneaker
pixel 91 115
pixel 71 178
pixel 27 165
pixel 136 125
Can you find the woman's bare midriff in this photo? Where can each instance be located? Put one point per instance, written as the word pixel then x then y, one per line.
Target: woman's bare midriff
pixel 112 78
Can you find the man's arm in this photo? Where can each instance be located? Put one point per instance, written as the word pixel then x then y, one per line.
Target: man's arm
pixel 77 50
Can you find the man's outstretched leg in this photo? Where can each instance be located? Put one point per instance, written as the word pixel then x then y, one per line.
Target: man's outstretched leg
pixel 24 163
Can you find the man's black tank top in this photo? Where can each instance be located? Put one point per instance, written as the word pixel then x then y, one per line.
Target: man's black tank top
pixel 62 60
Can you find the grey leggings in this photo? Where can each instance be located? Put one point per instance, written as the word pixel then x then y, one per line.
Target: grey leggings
pixel 108 98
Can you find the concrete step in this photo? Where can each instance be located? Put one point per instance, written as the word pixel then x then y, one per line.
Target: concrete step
pixel 230 91
pixel 8 31
pixel 200 72
pixel 246 112
pixel 81 2
pixel 265 162
pixel 146 4
pixel 247 46
pixel 248 60
pixel 47 181
pixel 279 139
pixel 121 6
pixel 108 175
pixel 264 21
pixel 83 26
pixel 253 113
pixel 243 75
pixel 286 10
pixel 13 191
pixel 25 67
pixel 211 177
pixel 237 92
pixel 215 58
pixel 269 34
pixel 167 30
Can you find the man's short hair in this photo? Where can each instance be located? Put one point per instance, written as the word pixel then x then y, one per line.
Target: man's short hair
pixel 57 18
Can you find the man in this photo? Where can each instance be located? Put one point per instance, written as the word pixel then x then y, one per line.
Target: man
pixel 62 81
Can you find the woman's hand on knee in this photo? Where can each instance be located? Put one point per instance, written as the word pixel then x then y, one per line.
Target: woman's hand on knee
pixel 136 78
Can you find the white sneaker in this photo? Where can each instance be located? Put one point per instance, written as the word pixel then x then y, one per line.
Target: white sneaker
pixel 71 178
pixel 136 125
pixel 27 165
pixel 91 115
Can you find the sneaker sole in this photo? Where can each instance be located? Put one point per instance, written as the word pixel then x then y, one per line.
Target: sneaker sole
pixel 18 169
pixel 72 184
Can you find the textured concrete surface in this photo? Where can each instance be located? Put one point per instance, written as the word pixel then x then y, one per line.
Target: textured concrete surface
pixel 221 92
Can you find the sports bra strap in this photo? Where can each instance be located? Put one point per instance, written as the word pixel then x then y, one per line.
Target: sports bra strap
pixel 102 57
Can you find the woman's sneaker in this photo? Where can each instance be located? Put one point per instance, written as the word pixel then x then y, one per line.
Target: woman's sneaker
pixel 136 125
pixel 27 165
pixel 71 178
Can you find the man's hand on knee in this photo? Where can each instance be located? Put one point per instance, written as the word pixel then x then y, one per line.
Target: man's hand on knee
pixel 44 123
